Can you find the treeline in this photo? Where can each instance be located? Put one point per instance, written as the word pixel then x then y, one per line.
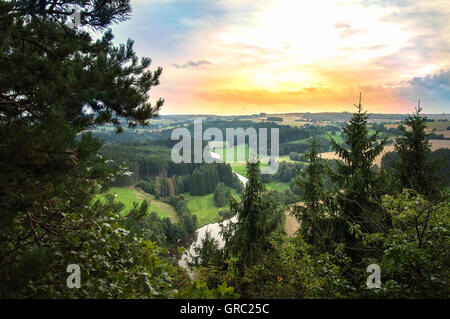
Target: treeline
pixel 152 158
pixel 287 171
pixel 205 178
pixel 202 180
pixel 346 116
pixel 286 133
pixel 394 131
pixel 389 160
pixel 436 136
pixel 146 160
pixel 299 147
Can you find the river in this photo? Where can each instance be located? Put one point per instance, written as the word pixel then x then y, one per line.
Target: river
pixel 213 229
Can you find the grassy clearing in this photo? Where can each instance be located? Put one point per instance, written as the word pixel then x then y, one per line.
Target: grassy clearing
pixel 130 195
pixel 237 149
pixel 157 206
pixel 279 186
pixel 204 208
pixel 241 168
pixel 337 137
pixel 285 158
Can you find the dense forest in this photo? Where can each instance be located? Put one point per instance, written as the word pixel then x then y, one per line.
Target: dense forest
pixel 65 99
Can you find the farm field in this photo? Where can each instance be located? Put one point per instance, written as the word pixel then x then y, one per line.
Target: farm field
pixel 438 126
pixel 288 119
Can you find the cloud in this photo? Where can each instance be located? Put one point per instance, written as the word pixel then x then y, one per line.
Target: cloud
pixel 435 87
pixel 433 90
pixel 284 55
pixel 434 81
pixel 429 22
pixel 191 64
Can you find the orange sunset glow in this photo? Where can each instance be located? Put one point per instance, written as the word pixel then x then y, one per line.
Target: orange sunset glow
pixel 244 57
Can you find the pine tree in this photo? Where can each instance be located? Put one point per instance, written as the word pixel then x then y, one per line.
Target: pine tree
pixel 358 200
pixel 55 83
pixel 312 214
pixel 415 169
pixel 258 216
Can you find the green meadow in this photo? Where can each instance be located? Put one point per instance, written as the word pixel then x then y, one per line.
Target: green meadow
pixel 128 196
pixel 237 149
pixel 204 207
pixel 279 186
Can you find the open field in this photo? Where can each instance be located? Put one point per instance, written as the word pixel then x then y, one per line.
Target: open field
pixel 238 150
pixel 439 126
pixel 288 119
pixel 285 158
pixel 279 186
pixel 241 168
pixel 161 208
pixel 129 195
pixel 204 207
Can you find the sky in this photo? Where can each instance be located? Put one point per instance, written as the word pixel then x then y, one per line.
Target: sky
pixel 281 56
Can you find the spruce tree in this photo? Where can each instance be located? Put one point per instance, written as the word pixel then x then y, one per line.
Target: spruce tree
pixel 357 197
pixel 258 216
pixel 312 213
pixel 414 169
